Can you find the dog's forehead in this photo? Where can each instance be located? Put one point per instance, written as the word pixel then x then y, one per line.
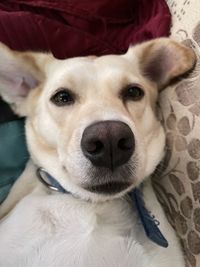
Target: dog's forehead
pixel 92 68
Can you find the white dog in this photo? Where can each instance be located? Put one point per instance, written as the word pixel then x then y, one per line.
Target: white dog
pixel 93 136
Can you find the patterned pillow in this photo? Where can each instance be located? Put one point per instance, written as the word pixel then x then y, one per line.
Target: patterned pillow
pixel 178 186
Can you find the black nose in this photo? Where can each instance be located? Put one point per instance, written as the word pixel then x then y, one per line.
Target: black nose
pixel 108 143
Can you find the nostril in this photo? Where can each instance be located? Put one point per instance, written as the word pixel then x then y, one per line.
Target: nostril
pixel 125 143
pixel 95 147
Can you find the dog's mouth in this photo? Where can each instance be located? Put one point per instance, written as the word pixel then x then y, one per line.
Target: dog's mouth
pixel 107 182
pixel 108 188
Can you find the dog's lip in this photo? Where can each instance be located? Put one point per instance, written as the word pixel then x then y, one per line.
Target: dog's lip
pixel 108 188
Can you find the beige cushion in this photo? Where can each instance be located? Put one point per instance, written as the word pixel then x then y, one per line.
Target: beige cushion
pixel 178 186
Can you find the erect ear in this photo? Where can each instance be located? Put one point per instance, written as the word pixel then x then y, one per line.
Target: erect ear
pixel 20 72
pixel 162 60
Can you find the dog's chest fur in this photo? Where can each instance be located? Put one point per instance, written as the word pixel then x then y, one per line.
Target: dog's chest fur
pixel 60 230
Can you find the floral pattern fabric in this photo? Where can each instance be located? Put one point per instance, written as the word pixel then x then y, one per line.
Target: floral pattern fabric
pixel 177 182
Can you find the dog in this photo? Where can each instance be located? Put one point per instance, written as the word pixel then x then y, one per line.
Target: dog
pixel 94 136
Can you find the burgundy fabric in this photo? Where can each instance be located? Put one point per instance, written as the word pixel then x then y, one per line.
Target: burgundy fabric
pixel 81 27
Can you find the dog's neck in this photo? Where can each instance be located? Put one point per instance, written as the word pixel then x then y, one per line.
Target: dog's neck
pixel 149 222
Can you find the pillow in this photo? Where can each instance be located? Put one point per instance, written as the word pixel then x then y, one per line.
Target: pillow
pixel 13 154
pixel 178 185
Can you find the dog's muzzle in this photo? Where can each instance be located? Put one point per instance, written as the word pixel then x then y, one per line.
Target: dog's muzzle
pixel 108 145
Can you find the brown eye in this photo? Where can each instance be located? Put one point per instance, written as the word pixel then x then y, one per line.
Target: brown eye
pixel 63 97
pixel 132 92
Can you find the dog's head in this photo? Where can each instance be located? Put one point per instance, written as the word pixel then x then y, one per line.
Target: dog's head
pixel 91 122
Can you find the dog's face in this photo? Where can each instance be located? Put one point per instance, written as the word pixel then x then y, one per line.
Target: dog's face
pixel 91 121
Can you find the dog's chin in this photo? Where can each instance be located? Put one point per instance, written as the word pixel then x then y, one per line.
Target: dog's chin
pixel 109 188
pixel 104 182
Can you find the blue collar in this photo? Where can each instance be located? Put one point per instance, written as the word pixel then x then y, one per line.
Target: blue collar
pixel 148 220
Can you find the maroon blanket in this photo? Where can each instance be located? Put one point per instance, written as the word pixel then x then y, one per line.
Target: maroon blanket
pixel 81 27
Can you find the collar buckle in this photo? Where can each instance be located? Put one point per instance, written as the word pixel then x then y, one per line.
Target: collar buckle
pixel 52 184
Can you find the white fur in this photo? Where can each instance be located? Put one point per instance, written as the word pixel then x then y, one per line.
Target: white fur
pixel 59 230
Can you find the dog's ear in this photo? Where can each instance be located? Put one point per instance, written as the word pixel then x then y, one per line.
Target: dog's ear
pixel 20 72
pixel 162 60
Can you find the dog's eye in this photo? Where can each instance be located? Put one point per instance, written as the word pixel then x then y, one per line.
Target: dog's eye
pixel 62 98
pixel 132 92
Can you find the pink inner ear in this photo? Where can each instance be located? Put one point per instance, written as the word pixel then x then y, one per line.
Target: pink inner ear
pixel 159 65
pixel 16 83
pixel 27 83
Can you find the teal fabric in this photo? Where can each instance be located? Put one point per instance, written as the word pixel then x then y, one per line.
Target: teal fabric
pixel 13 154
